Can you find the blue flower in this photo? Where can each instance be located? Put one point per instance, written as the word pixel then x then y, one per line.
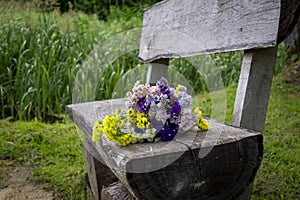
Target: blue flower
pixel 142 106
pixel 168 132
pixel 175 110
pixel 151 101
pixel 163 87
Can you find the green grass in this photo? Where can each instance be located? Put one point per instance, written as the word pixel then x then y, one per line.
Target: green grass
pixel 279 175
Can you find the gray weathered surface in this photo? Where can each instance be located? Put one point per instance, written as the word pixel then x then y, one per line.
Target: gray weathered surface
pixel 219 163
pixel 179 28
pixel 254 88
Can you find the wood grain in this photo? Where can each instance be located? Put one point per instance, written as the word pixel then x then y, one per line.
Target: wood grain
pixel 115 191
pixel 180 28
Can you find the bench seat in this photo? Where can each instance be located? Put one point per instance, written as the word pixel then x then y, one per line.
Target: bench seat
pixel 216 164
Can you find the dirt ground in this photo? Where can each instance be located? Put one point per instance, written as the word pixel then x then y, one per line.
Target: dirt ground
pixel 16 183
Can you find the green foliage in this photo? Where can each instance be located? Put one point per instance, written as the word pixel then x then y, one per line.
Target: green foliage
pixel 281 59
pixel 112 74
pixel 98 7
pixel 102 8
pixel 39 59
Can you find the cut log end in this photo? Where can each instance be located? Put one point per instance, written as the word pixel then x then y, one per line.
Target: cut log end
pixel 116 191
pixel 224 173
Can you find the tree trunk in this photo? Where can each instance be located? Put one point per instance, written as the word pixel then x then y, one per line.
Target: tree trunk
pixel 292 43
pixel 289 13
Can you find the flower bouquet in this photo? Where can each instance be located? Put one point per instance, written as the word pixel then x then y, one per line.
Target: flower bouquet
pixel 154 113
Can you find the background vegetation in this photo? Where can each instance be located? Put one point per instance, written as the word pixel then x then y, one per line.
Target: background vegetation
pixel 41 52
pixel 42 48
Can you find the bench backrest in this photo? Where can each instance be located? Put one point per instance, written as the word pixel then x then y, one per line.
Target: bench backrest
pixel 218 26
pixel 214 25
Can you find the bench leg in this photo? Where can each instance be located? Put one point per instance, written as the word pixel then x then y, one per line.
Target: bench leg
pixel 99 174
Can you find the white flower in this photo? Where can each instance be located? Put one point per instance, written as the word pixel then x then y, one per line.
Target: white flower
pixel 153 90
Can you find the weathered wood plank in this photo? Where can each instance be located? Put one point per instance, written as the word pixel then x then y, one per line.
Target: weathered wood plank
pixel 254 88
pixel 180 28
pixel 85 115
pixel 230 153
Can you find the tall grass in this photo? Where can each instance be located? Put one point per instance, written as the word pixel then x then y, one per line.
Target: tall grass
pixel 41 53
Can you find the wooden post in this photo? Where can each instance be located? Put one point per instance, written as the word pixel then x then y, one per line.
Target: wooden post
pixel 254 87
pixel 156 70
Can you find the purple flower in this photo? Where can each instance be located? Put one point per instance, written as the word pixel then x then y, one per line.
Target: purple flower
pixel 175 110
pixel 151 100
pixel 168 132
pixel 142 105
pixel 163 87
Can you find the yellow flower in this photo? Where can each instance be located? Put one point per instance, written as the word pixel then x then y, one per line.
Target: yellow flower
pixel 130 115
pixel 110 122
pixel 202 124
pixel 110 127
pixel 125 139
pixel 198 111
pixel 97 131
pixel 177 89
pixel 142 121
pixel 118 114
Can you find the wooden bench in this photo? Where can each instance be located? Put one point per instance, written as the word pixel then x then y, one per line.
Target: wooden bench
pixel 195 165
